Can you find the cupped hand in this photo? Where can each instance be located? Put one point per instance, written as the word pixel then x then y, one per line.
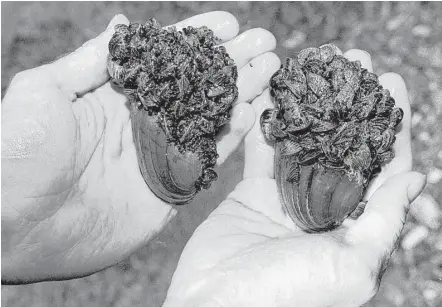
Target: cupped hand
pixel 73 199
pixel 249 253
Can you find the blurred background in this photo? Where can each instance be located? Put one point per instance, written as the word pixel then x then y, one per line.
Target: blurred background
pixel 404 37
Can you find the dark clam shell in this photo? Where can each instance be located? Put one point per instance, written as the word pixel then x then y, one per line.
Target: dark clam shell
pixel 317 197
pixel 180 88
pixel 333 127
pixel 170 175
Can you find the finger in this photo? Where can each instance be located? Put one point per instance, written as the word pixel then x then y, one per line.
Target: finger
pixel 232 135
pixel 254 77
pixel 85 69
pixel 259 154
pixel 250 44
pixel 362 56
pixel 223 24
pixel 376 231
pixel 402 146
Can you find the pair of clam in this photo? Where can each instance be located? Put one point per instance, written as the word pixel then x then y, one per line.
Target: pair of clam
pixel 333 125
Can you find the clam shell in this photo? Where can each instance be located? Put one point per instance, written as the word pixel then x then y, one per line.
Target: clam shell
pixel 170 174
pixel 317 198
pixel 184 79
pixel 333 127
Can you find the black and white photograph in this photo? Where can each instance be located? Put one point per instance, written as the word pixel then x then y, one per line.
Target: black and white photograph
pixel 221 154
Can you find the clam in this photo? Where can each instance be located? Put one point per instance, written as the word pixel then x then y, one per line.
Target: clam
pixel 333 127
pixel 180 87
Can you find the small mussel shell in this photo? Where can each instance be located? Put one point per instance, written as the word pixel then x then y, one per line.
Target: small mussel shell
pixel 169 174
pixel 317 198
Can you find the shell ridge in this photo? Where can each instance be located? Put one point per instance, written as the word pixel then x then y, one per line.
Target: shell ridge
pixel 179 190
pixel 287 195
pixel 328 218
pixel 306 172
pixel 149 178
pixel 313 221
pixel 147 162
pixel 155 167
pixel 330 202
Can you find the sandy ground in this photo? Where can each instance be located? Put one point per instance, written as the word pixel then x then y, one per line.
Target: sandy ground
pixel 402 37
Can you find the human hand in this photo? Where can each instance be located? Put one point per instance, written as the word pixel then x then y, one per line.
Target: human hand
pixel 249 253
pixel 73 198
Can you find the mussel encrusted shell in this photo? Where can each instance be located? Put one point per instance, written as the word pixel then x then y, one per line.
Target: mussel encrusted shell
pixel 181 88
pixel 333 127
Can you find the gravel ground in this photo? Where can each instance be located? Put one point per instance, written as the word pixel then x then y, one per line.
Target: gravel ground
pixel 404 37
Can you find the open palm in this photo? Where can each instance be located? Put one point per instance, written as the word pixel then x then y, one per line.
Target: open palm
pixel 73 198
pixel 249 253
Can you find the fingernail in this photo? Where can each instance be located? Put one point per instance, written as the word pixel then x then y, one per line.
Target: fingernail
pixel 367 53
pixel 416 187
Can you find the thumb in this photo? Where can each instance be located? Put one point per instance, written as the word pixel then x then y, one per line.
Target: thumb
pixel 231 137
pixel 377 230
pixel 258 153
pixel 86 68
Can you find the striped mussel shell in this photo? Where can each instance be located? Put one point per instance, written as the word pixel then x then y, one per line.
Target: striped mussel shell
pixel 316 197
pixel 170 175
